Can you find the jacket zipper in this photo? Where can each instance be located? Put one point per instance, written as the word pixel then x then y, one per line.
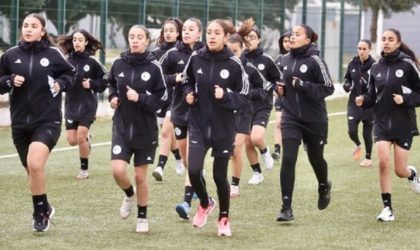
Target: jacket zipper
pixel 389 118
pixel 209 128
pixel 28 119
pixel 296 93
pixel 131 128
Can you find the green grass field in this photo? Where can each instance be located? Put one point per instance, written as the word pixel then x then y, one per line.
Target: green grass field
pixel 87 212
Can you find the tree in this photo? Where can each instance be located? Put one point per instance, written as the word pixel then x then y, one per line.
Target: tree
pixel 388 7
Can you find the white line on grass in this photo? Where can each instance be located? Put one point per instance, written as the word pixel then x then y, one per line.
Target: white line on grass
pixel 109 143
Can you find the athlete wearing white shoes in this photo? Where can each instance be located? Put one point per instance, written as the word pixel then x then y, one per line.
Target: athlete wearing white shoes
pixel 261 106
pixel 394 92
pixel 136 90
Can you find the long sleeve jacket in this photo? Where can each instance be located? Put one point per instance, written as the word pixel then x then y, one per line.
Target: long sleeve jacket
pixel 81 102
pixel 214 119
pixel 305 102
pixel 394 74
pixel 41 65
pixel 356 78
pixel 173 63
pixel 268 68
pixel 136 121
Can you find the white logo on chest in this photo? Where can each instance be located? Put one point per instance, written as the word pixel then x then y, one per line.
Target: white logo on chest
pixel 261 66
pixel 145 76
pixel 399 73
pixel 303 68
pixel 224 74
pixel 44 62
pixel 86 68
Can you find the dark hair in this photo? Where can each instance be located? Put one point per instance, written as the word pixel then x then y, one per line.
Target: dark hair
pixel 197 21
pixel 257 31
pixel 310 33
pixel 178 25
pixel 403 47
pixel 66 43
pixel 139 26
pixel 41 19
pixel 282 49
pixel 368 42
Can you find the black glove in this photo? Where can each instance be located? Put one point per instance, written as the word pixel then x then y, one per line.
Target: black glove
pixel 297 82
pixel 347 87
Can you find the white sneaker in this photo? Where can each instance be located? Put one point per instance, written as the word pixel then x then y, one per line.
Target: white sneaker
pixel 142 225
pixel 126 206
pixel 256 178
pixel 386 215
pixel 158 173
pixel 83 174
pixel 179 167
pixel 234 191
pixel 268 159
pixel 415 183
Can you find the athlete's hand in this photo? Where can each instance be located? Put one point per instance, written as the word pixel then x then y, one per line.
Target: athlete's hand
pixel 190 98
pixel 280 89
pixel 18 80
pixel 218 92
pixel 56 87
pixel 132 95
pixel 398 99
pixel 115 102
pixel 86 83
pixel 359 100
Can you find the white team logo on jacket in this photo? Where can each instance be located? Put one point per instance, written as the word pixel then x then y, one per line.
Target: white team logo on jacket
pixel 303 68
pixel 261 66
pixel 86 68
pixel 116 150
pixel 44 62
pixel 145 76
pixel 224 74
pixel 399 73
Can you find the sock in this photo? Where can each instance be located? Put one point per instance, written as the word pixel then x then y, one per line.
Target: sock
pixel 188 194
pixel 235 181
pixel 368 156
pixel 256 168
pixel 287 201
pixel 223 214
pixel 129 192
pixel 162 161
pixel 263 151
pixel 412 175
pixel 40 203
pixel 84 163
pixel 386 199
pixel 277 148
pixel 176 154
pixel 141 212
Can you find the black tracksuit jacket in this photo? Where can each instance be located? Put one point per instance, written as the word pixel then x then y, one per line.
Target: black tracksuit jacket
pixel 162 49
pixel 137 121
pixel 211 119
pixel 173 62
pixel 394 74
pixel 40 64
pixel 268 68
pixel 81 102
pixel 257 94
pixel 305 103
pixel 356 79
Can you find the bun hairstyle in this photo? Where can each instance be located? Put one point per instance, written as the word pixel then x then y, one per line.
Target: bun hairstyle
pixel 404 47
pixel 93 45
pixel 368 42
pixel 310 33
pixel 178 25
pixel 227 25
pixel 41 19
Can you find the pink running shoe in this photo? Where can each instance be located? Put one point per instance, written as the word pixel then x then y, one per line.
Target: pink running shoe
pixel 200 217
pixel 224 227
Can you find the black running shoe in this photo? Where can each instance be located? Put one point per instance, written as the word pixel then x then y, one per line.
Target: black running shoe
pixel 286 214
pixel 324 196
pixel 276 156
pixel 41 222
